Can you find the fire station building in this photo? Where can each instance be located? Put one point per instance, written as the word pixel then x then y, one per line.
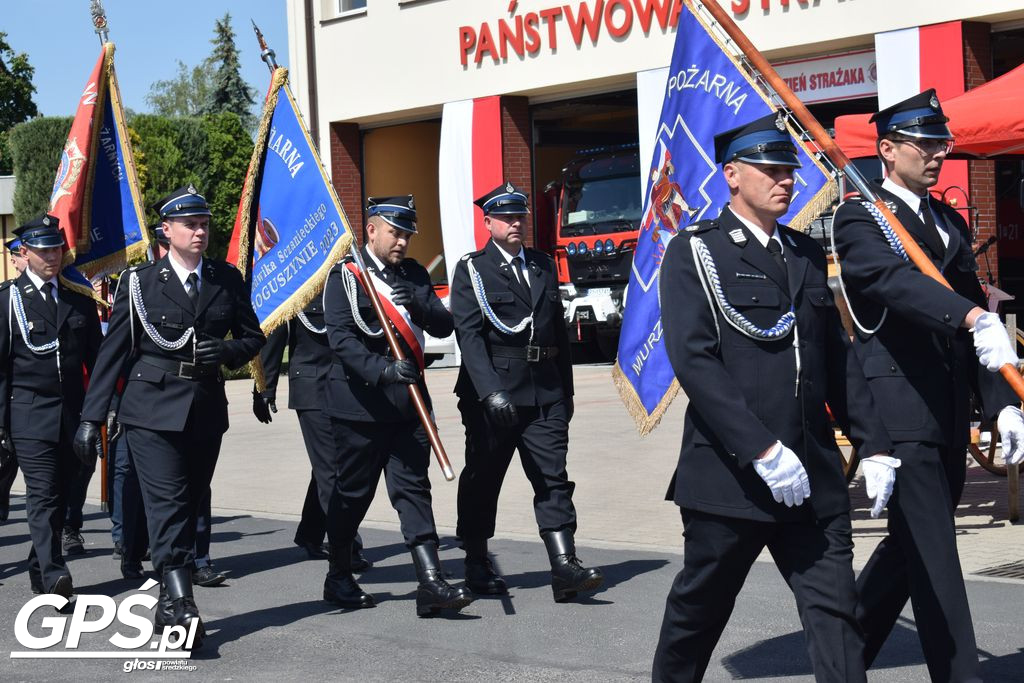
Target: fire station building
pixel 445 98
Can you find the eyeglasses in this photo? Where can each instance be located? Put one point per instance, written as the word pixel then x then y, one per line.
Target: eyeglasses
pixel 929 146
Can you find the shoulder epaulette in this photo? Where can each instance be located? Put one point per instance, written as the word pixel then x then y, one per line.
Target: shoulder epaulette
pixel 701 226
pixel 472 254
pixel 6 283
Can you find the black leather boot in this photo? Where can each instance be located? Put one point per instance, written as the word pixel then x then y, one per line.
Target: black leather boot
pixel 568 575
pixel 434 593
pixel 164 613
pixel 340 586
pixel 131 569
pixel 183 605
pixel 480 575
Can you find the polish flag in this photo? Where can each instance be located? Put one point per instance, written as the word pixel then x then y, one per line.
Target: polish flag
pixel 470 165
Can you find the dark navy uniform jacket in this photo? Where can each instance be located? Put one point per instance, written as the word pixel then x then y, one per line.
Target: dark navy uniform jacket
pixel 483 372
pixel 309 359
pixel 921 365
pixel 35 403
pixel 742 391
pixel 154 398
pixel 359 359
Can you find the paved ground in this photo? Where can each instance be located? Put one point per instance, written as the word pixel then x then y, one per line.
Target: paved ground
pixel 269 622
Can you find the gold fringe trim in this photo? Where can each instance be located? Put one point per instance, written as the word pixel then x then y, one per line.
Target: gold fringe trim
pixel 817 205
pixel 645 423
pixel 82 289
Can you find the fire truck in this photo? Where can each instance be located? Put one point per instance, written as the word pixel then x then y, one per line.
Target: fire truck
pixel 598 207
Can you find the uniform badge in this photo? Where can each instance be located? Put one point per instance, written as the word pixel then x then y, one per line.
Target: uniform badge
pixel 411 204
pixel 934 103
pixel 46 221
pixel 509 188
pixel 751 276
pixel 192 189
pixel 164 270
pixel 691 228
pixel 780 121
pixel 891 204
pixel 737 237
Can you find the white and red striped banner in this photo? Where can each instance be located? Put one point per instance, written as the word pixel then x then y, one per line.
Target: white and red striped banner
pixel 914 59
pixel 469 165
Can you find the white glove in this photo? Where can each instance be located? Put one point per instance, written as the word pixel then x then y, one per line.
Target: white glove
pixel 992 344
pixel 879 478
pixel 785 475
pixel 1011 429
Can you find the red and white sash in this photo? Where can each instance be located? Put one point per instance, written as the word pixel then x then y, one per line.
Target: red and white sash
pixel 399 316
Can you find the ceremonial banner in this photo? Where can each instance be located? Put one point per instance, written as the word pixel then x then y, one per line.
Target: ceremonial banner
pixel 96 193
pixel 290 229
pixel 708 92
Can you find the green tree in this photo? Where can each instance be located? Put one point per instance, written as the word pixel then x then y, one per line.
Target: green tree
pixel 36 148
pixel 184 95
pixel 228 149
pixel 230 92
pixel 16 105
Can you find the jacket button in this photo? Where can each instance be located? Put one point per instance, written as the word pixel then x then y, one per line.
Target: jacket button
pixel 892 368
pixel 946 318
pixel 754 299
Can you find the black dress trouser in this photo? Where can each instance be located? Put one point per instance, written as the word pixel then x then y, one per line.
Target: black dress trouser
pixel 542 439
pixel 815 559
pixel 399 450
pixel 918 561
pixel 50 470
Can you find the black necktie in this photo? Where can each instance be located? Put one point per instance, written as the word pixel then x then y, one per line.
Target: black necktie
pixel 517 270
pixel 934 237
pixel 51 301
pixel 775 249
pixel 193 288
pixel 387 273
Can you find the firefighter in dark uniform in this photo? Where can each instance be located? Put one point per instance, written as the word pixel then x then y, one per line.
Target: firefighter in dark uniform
pixel 170 319
pixel 309 360
pixel 49 342
pixel 8 460
pixel 914 341
pixel 759 349
pixel 375 422
pixel 515 392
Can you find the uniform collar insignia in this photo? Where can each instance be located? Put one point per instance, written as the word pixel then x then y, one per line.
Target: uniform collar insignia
pixel 891 204
pixel 738 237
pixel 792 242
pixel 164 270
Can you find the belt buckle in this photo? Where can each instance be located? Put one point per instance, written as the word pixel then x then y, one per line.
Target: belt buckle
pixel 186 370
pixel 532 354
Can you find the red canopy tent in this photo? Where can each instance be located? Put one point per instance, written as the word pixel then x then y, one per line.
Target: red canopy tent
pixel 987 121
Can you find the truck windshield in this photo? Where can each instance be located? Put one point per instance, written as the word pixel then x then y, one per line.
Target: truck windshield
pixel 601 205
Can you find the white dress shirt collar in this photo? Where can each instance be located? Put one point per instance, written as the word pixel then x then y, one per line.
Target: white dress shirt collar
pixel 39 282
pixel 182 272
pixel 759 234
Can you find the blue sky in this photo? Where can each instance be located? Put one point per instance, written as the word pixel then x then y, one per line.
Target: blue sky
pixel 61 44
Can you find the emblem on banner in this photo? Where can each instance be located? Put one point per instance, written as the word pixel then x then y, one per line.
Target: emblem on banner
pixel 71 162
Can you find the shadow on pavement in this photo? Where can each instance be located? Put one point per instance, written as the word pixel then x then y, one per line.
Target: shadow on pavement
pixel 614 574
pixel 787 655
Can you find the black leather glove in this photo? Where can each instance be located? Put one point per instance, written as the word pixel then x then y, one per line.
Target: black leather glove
pixel 210 352
pixel 6 447
pixel 402 371
pixel 500 409
pixel 88 443
pixel 113 427
pixel 263 405
pixel 404 294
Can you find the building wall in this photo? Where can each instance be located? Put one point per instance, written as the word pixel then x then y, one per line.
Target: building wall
pixel 413 47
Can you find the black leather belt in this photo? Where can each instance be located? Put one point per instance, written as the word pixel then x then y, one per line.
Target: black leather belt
pixel 179 368
pixel 531 354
